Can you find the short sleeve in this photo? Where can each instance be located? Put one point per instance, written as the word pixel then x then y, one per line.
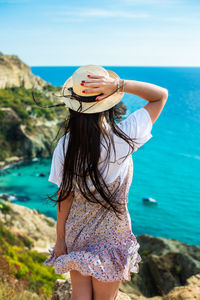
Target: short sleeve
pixel 138 125
pixel 56 167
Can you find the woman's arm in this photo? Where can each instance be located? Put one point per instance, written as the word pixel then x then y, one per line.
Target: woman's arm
pixel 108 85
pixel 145 90
pixel 62 214
pixel 156 95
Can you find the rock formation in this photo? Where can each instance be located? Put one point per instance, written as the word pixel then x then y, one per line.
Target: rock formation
pixel 41 230
pixel 24 144
pixel 26 129
pixel 14 72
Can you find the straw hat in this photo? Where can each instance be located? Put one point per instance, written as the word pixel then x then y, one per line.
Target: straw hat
pixel 74 98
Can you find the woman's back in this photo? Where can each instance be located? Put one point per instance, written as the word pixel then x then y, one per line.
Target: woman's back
pixel 137 125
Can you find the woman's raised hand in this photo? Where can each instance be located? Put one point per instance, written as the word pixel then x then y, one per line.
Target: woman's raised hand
pixel 100 84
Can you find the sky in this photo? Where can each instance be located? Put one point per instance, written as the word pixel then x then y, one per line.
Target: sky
pixel 106 32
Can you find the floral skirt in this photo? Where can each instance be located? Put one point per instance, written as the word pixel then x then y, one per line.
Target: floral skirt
pixel 98 243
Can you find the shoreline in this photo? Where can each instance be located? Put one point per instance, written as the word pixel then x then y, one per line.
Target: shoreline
pixel 11 162
pixel 16 160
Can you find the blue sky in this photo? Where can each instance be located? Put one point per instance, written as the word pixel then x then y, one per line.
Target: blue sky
pixel 115 32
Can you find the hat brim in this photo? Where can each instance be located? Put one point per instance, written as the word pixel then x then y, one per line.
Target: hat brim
pixel 91 107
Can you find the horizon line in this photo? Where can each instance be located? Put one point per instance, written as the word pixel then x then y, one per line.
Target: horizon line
pixel 171 66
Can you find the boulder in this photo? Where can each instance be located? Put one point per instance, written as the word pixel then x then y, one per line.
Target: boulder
pixel 191 291
pixel 166 264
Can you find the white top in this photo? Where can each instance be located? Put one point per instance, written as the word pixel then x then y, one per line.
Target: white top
pixel 137 125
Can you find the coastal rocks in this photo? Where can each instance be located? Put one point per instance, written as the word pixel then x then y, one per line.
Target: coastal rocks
pixel 161 246
pixel 25 131
pixel 24 145
pixel 166 264
pixel 190 291
pixel 41 230
pixel 122 296
pixel 9 122
pixel 162 274
pixel 15 73
pixel 2 164
pixel 42 174
pixel 12 160
pixel 62 290
pixel 38 143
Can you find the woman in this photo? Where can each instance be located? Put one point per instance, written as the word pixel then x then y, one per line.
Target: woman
pixel 92 166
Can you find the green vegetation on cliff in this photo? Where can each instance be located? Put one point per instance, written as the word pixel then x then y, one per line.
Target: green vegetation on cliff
pixel 17 261
pixel 18 108
pixel 20 100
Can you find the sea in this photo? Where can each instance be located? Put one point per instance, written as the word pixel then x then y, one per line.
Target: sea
pixel 166 168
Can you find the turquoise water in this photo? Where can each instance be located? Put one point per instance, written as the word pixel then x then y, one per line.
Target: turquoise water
pixel 166 168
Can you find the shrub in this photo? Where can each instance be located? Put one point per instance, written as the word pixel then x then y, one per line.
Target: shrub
pixel 24 264
pixel 50 223
pixel 4 208
pixel 145 253
pixel 18 98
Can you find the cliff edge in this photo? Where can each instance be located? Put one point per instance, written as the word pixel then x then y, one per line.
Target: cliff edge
pixel 15 73
pixel 27 130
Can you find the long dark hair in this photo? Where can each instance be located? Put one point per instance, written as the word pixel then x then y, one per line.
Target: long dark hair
pixel 83 153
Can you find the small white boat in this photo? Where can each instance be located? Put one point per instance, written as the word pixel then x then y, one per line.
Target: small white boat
pixel 149 199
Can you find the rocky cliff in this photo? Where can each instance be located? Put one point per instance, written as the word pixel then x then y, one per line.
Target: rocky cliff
pixel 170 269
pixel 23 140
pixel 27 130
pixel 40 229
pixel 22 274
pixel 22 143
pixel 15 73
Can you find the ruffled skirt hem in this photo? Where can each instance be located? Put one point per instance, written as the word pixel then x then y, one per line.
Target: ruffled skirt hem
pixel 107 264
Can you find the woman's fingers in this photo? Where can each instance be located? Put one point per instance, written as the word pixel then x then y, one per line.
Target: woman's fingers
pixel 95 76
pixel 95 90
pixel 101 97
pixel 99 85
pixel 93 80
pixel 93 84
